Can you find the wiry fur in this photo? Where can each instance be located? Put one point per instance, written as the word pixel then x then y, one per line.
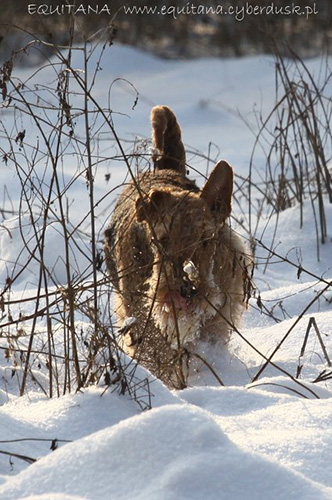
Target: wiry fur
pixel 176 265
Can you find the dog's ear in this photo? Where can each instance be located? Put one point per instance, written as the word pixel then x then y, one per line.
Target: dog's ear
pixel 218 189
pixel 150 207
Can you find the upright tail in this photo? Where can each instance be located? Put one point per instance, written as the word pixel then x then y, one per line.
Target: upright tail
pixel 169 152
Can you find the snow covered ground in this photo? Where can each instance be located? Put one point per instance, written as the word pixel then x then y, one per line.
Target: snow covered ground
pixel 270 438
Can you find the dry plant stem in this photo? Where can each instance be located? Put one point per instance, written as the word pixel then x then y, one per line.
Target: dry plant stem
pixel 300 269
pixel 25 458
pixel 268 359
pixel 49 196
pixel 312 323
pixel 39 440
pixel 39 313
pixel 37 298
pixel 42 279
pixel 327 358
pixel 90 184
pixel 309 123
pixel 298 319
pixel 279 385
pixel 298 134
pixel 55 181
pixel 38 352
pixel 208 365
pixel 70 286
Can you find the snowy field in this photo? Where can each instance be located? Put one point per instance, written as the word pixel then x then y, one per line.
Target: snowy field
pixel 245 440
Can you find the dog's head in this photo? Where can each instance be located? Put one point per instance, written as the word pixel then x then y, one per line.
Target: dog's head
pixel 183 227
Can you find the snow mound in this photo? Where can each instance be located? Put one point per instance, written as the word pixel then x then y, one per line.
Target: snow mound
pixel 173 452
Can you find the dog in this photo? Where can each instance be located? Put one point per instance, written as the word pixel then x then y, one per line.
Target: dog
pixel 180 273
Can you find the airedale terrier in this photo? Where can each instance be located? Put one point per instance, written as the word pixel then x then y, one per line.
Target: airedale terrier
pixel 180 272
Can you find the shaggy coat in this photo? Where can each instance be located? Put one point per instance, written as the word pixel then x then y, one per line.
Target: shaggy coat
pixel 180 272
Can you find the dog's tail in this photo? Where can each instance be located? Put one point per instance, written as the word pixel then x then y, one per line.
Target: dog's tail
pixel 169 152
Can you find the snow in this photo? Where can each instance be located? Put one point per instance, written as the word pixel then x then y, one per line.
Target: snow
pixel 245 440
pixel 176 451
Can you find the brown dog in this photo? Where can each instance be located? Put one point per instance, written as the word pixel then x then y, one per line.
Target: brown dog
pixel 180 272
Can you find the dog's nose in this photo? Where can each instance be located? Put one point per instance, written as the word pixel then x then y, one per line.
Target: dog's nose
pixel 188 290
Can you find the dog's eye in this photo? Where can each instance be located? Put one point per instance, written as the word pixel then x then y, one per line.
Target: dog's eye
pixel 206 240
pixel 163 241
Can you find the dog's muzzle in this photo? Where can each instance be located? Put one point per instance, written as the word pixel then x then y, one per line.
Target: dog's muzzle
pixel 180 299
pixel 174 302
